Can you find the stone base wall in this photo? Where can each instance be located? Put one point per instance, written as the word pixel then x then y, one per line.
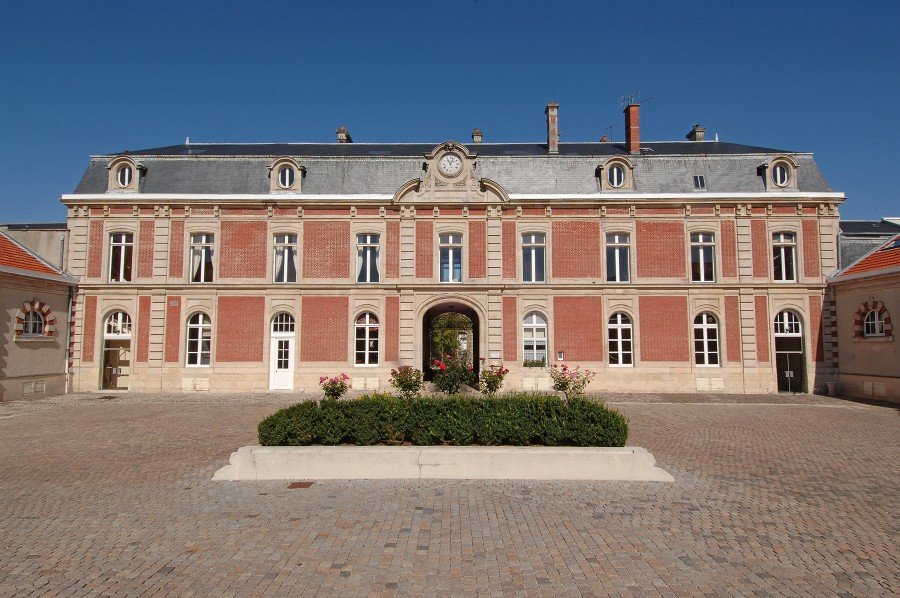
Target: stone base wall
pixel 881 388
pixel 32 387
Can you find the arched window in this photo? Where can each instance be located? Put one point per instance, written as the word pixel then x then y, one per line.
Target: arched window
pixel 620 339
pixel 283 323
pixel 787 323
pixel 873 325
pixel 34 324
pixel 124 176
pixel 199 340
pixel 366 339
pixel 535 338
pixel 118 325
pixel 706 340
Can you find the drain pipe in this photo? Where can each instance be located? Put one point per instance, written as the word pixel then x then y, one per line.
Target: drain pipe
pixel 69 322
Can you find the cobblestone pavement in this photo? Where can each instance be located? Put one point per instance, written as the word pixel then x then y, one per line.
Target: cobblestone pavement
pixel 774 496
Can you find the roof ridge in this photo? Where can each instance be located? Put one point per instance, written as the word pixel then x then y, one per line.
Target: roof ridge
pixel 32 254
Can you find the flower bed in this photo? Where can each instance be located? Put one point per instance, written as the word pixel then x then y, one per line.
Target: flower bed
pixel 521 419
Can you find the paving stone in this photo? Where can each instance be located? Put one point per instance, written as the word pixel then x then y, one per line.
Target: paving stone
pixel 774 496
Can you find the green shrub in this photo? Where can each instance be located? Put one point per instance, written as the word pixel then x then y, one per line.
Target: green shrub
pixel 516 419
pixel 407 380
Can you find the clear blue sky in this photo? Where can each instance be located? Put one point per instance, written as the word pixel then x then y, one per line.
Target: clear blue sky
pixel 80 78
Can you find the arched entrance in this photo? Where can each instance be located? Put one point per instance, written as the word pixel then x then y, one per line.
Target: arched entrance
pixel 116 351
pixel 450 328
pixel 790 362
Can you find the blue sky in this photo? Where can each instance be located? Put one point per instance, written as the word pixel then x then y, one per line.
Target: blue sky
pixel 88 78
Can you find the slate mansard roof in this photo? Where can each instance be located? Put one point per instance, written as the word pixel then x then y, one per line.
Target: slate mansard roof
pixel 381 168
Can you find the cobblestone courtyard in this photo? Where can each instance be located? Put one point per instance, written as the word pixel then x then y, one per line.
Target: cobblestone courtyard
pixel 774 496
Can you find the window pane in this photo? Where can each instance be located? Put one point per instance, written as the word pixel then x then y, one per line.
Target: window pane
pixel 445 264
pixel 539 264
pixel 115 260
pixel 527 272
pixel 623 264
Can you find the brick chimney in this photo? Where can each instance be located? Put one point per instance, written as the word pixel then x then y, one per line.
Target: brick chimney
pixel 552 113
pixel 633 128
pixel 343 135
pixel 698 133
pixel 476 136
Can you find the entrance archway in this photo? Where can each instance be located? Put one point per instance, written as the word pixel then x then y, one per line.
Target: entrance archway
pixel 116 351
pixel 450 328
pixel 790 363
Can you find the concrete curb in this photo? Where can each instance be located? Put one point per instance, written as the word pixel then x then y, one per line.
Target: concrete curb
pixel 630 463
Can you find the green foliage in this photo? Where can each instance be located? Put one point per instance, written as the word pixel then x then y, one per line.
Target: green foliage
pixel 491 379
pixel 445 329
pixel 407 380
pixel 335 387
pixel 570 381
pixel 534 363
pixel 515 419
pixel 452 373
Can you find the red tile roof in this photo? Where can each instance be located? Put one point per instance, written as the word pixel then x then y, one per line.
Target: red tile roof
pixel 886 256
pixel 13 255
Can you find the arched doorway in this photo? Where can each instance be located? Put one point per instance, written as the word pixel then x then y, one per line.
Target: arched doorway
pixel 281 352
pixel 116 351
pixel 450 328
pixel 790 363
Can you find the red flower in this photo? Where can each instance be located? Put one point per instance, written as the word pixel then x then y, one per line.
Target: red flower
pixel 443 367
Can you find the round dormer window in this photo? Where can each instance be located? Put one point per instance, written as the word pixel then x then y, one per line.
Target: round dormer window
pixel 616 176
pixel 781 176
pixel 124 176
pixel 286 177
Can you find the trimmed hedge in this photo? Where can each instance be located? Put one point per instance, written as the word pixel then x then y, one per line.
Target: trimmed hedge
pixel 520 419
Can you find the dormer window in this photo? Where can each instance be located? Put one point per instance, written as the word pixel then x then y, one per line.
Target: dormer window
pixel 124 175
pixel 615 175
pixel 285 175
pixel 781 173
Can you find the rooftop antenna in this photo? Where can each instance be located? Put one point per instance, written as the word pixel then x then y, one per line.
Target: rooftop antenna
pixel 609 129
pixel 632 98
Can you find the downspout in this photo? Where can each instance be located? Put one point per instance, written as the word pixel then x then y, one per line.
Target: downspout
pixel 69 321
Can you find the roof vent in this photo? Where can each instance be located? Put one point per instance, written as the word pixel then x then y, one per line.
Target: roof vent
pixel 343 135
pixel 697 133
pixel 477 136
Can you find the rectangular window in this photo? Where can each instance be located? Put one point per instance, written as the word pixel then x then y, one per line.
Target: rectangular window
pixel 367 258
pixel 202 257
pixel 784 256
pixel 285 262
pixel 533 246
pixel 703 260
pixel 121 250
pixel 617 257
pixel 451 257
pixel 699 181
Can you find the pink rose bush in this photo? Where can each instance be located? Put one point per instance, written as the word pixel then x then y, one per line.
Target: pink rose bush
pixel 335 387
pixel 570 381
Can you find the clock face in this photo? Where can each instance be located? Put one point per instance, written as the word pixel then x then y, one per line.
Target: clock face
pixel 450 164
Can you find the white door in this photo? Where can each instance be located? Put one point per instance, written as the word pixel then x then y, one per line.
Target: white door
pixel 281 363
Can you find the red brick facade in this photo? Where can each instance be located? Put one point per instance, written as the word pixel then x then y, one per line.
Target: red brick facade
pixel 142 355
pixel 240 329
pixel 577 328
pixel 424 249
pixel 732 329
pixel 324 328
pixel 89 329
pixel 576 249
pixel 729 249
pixel 760 247
pixel 95 249
pixel 392 250
pixel 762 328
pixel 326 249
pixel 510 330
pixel 477 249
pixel 668 314
pixel 811 249
pixel 173 329
pixel 660 249
pixel 244 249
pixel 176 249
pixel 815 326
pixel 508 241
pixel 146 237
pixel 392 328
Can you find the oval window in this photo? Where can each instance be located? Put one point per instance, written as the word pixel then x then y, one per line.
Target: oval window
pixel 780 175
pixel 124 176
pixel 616 176
pixel 285 177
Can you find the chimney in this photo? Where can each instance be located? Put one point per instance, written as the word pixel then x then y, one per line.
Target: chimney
pixel 476 136
pixel 698 133
pixel 343 135
pixel 552 113
pixel 633 128
pixel 604 139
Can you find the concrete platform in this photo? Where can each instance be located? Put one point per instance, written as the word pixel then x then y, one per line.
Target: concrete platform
pixel 441 462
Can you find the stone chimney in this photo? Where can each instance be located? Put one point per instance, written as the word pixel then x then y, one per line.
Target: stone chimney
pixel 698 133
pixel 633 128
pixel 343 135
pixel 552 113
pixel 477 136
pixel 604 139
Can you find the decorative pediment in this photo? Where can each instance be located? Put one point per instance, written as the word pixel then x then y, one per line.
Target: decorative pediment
pixel 450 178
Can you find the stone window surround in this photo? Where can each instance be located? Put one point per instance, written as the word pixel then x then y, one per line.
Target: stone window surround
pixel 768 170
pixel 187 329
pixel 541 228
pixel 275 168
pixel 112 184
pixel 859 320
pixel 718 329
pixel 607 325
pixel 602 171
pixel 49 330
pixel 793 228
pixel 379 228
pixel 707 228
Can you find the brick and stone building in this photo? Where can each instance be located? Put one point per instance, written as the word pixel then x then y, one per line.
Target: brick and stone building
pixel 866 295
pixel 664 266
pixel 34 339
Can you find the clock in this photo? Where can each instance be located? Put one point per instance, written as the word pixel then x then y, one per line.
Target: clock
pixel 450 164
